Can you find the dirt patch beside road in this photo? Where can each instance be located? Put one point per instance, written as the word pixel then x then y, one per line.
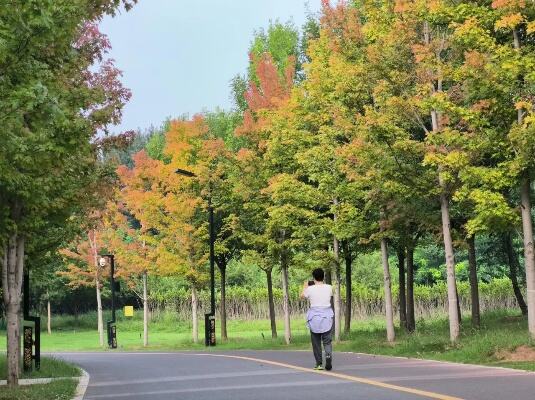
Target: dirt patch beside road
pixel 522 353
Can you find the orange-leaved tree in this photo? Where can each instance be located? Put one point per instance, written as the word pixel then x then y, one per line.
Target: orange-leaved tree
pixel 268 240
pixel 83 269
pixel 163 204
pixel 189 148
pixel 133 247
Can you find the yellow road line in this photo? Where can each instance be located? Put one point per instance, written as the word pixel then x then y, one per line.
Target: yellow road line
pixel 351 378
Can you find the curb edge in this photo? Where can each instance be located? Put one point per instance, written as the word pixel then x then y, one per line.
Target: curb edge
pixel 83 382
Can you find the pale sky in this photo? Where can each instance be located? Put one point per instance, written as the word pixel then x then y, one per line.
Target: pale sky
pixel 178 56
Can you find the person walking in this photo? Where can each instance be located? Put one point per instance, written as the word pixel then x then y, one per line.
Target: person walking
pixel 320 317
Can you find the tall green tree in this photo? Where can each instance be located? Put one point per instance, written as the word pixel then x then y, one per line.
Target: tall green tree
pixel 259 230
pixel 51 105
pixel 281 41
pixel 304 145
pixel 517 18
pixel 220 148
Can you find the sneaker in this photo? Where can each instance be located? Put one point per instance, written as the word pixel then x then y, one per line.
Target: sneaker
pixel 318 367
pixel 328 363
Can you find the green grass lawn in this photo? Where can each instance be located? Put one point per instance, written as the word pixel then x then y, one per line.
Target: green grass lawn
pixel 50 368
pixel 63 389
pixel 500 331
pixel 503 330
pixel 173 335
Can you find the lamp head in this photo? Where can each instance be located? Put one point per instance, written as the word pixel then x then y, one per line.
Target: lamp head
pixel 185 173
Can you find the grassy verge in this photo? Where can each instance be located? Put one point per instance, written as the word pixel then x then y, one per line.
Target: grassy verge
pixel 500 331
pixel 63 389
pixel 50 368
pixel 525 365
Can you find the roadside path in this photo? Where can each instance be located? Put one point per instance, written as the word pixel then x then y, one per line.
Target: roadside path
pixel 281 375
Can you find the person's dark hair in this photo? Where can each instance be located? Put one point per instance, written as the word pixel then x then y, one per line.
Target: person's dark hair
pixel 318 274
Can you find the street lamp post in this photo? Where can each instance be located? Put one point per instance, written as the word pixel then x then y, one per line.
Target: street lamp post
pixel 110 325
pixel 209 318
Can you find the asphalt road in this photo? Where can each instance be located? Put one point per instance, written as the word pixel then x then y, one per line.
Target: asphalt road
pixel 287 375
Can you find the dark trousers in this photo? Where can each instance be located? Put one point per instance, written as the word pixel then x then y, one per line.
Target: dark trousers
pixel 317 340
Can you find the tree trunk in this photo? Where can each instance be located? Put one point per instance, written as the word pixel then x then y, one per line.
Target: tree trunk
pixel 453 310
pixel 223 310
pixel 402 294
pixel 336 294
pixel 100 319
pixel 459 312
pixel 349 293
pixel 49 317
pixel 390 332
pixel 529 259
pixel 12 272
pixel 329 278
pixel 271 303
pixel 286 300
pixel 514 266
pixel 13 343
pixel 411 323
pixel 145 311
pixel 474 286
pixel 194 318
pixel 527 225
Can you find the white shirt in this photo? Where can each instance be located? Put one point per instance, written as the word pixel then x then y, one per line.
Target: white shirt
pixel 319 295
